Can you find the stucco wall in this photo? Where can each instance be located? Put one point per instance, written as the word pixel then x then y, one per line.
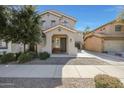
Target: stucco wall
pixel 114 45
pixel 71 49
pixel 110 28
pixel 15 48
pixel 93 44
pixel 48 17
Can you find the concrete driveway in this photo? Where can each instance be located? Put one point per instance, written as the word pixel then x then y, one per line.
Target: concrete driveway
pixel 60 71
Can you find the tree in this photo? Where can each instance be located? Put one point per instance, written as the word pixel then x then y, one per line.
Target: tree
pixel 87 29
pixel 25 26
pixel 120 16
pixel 4 21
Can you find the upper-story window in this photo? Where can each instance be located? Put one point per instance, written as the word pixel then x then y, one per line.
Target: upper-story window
pixel 118 28
pixel 43 22
pixel 53 22
pixel 103 28
pixel 65 22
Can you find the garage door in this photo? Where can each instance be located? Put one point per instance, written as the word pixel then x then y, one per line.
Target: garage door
pixel 114 45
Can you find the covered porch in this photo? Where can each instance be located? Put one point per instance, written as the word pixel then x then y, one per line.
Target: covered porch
pixel 59 44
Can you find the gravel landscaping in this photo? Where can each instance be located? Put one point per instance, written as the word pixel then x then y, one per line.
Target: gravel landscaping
pixel 68 61
pixel 46 83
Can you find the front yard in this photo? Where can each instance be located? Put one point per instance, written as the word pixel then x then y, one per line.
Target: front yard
pixel 64 72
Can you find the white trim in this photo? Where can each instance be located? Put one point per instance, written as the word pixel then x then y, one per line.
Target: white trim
pixel 59 14
pixel 59 26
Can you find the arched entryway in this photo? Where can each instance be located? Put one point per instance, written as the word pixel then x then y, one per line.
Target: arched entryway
pixel 59 44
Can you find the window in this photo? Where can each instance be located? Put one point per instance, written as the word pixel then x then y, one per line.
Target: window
pixel 65 22
pixel 53 22
pixel 42 22
pixel 103 28
pixel 56 42
pixel 118 28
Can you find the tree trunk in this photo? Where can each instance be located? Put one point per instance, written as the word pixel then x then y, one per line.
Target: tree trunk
pixel 24 47
pixel 32 47
pixel 36 49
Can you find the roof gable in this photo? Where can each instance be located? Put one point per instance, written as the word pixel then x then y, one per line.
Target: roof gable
pixel 60 26
pixel 111 22
pixel 59 14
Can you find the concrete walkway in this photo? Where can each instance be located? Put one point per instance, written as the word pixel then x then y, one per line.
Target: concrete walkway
pixel 60 71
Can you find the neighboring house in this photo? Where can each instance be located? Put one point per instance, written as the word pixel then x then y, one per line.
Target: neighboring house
pixel 106 38
pixel 59 34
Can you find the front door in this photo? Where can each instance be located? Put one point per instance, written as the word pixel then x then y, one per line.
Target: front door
pixel 59 44
pixel 63 45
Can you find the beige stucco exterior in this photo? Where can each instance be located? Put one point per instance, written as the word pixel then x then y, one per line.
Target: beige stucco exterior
pixel 104 44
pixel 106 38
pixel 63 25
pixel 71 49
pixel 110 27
pixel 48 16
pixel 94 44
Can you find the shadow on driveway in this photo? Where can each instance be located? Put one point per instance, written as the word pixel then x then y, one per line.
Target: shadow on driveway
pixel 68 61
pixel 46 83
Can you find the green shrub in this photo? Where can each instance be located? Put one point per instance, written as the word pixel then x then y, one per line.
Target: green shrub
pixel 34 54
pixel 24 57
pixel 8 58
pixel 1 56
pixel 44 55
pixel 106 81
pixel 17 54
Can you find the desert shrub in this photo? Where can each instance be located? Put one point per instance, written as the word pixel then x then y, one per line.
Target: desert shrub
pixel 106 81
pixel 8 58
pixel 44 55
pixel 24 57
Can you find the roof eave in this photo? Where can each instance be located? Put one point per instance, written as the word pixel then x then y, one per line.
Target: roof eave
pixel 48 11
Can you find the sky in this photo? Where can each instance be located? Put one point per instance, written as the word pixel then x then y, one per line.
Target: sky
pixel 91 16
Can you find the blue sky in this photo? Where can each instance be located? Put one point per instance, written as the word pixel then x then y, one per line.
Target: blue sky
pixel 86 15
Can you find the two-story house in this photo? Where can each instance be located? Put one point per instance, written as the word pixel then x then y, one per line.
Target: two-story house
pixel 59 34
pixel 106 38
